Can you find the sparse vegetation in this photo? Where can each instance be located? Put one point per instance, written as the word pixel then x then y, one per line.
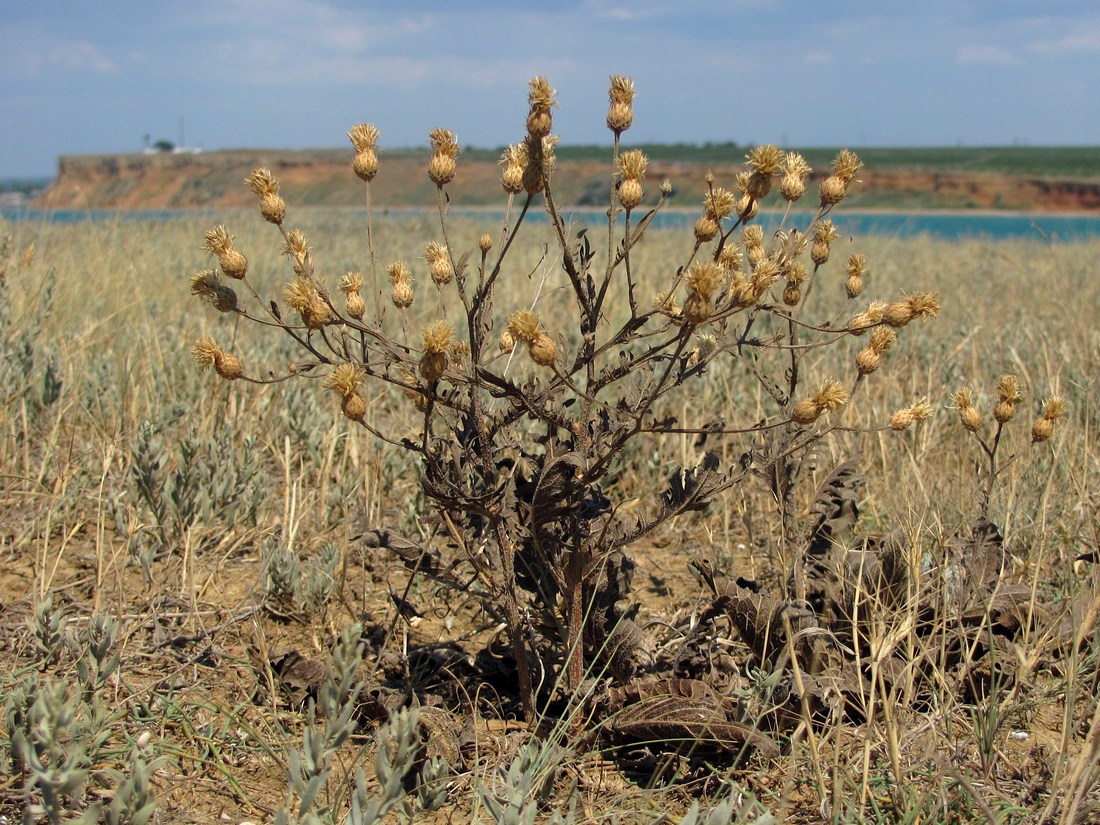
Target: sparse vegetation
pixel 713 544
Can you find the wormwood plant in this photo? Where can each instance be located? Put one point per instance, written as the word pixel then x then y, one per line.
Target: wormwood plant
pixel 523 412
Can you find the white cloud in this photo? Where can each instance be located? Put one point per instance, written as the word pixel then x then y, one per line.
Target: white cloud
pixel 1081 41
pixel 81 55
pixel 983 53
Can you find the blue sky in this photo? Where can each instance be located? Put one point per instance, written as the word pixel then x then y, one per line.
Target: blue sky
pixel 90 77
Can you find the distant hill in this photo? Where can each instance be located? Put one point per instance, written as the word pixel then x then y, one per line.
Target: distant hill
pixel 1013 178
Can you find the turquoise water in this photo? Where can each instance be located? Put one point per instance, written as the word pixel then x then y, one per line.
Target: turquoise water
pixel 940 225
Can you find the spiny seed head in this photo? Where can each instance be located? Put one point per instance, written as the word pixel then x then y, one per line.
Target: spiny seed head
pixel 666 305
pixel 524 325
pixel 444 142
pixel 752 236
pixel 833 190
pixel 794 164
pixel 1041 430
pixel 853 286
pixel 205 283
pixel 297 249
pixel 792 294
pixel 437 336
pixel 719 203
pixel 862 321
pixel 704 277
pixel 903 418
pixel 507 341
pixel 924 304
pixel 633 163
pixel 515 155
pixel 439 262
pixel 796 273
pixel 217 241
pixel 830 396
pixel 825 231
pixel 764 275
pixel 857 264
pixel 352 282
pixel 1008 388
pixel 399 271
pixel 621 89
pixel 262 182
pixel 620 114
pixel 846 164
pixel 541 99
pixel 968 414
pixel 765 160
pixel 1054 408
pixel 882 338
pixel 344 380
pixel 542 350
pixel 364 136
pixel 206 351
pixel 730 258
pixel 1003 412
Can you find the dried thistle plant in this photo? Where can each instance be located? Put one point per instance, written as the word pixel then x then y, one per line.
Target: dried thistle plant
pixel 516 456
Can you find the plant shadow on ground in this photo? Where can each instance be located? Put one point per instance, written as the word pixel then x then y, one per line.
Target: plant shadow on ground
pixel 538 578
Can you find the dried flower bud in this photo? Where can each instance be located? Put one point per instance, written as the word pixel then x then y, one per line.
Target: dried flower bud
pixel 632 164
pixel 792 295
pixel 792 187
pixel 485 243
pixel 344 380
pixel 853 286
pixel 862 321
pixel 225 298
pixel 719 203
pixel 867 361
pixel 730 258
pixel 273 208
pixel 365 165
pixel 542 350
pixel 228 366
pixel 630 193
pixel 697 309
pixel 441 169
pixel 206 351
pixel 433 365
pixel 898 314
pixel 507 341
pixel 833 190
pixel 1008 388
pixel 1041 430
pixel 355 305
pixel 706 228
pixel 354 406
pixel 759 185
pixel 1054 408
pixel 1003 412
pixel 747 207
pixel 666 187
pixel 968 414
pixel 541 99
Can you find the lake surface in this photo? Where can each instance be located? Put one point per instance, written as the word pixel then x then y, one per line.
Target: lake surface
pixel 939 225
